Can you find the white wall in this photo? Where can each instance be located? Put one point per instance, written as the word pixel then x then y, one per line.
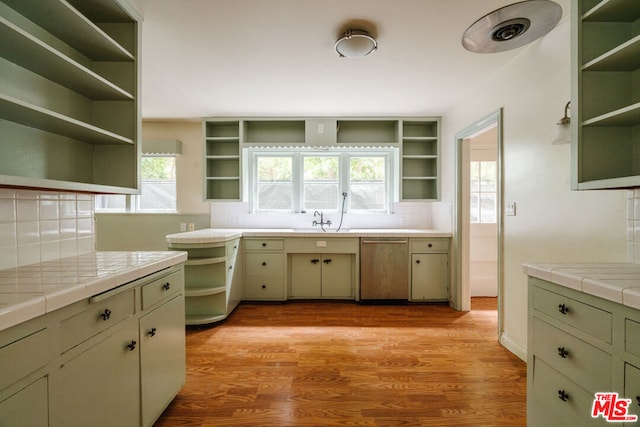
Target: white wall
pixel 553 223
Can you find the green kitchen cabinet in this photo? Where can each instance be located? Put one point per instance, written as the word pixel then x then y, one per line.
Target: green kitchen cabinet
pixel 69 97
pixel 321 276
pixel 28 407
pixel 416 138
pixel 605 101
pixel 116 358
pixel 264 266
pixel 578 345
pixel 212 280
pixel 429 269
pixel 101 386
pixel 162 358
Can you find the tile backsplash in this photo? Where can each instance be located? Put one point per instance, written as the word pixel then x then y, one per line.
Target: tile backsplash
pixel 407 215
pixel 40 226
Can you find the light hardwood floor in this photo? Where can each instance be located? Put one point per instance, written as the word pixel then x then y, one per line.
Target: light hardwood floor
pixel 345 364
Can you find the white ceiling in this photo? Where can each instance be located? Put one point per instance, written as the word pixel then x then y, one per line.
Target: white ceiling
pixel 275 57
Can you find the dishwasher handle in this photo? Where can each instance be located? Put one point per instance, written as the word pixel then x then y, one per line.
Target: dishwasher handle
pixel 375 242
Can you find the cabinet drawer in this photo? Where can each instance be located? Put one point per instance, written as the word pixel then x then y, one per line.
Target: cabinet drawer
pixel 161 289
pixel 322 245
pixel 550 385
pixel 22 357
pixel 96 318
pixel 589 319
pixel 632 337
pixel 429 245
pixel 263 244
pixel 263 287
pixel 264 264
pixel 585 364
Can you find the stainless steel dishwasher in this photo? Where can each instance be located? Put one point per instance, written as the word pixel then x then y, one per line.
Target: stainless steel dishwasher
pixel 384 270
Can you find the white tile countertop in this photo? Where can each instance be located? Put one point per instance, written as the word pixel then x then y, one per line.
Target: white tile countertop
pixel 617 282
pixel 32 290
pixel 211 235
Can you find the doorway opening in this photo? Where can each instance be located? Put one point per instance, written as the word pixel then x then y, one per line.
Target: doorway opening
pixel 479 216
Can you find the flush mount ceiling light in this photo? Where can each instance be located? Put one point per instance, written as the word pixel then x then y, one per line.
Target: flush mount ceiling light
pixel 512 26
pixel 355 44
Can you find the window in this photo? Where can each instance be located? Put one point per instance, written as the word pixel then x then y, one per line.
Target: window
pixel 321 183
pixel 303 181
pixel 483 192
pixel 157 193
pixel 274 183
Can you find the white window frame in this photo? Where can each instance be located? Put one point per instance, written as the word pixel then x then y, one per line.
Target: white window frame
pixel 132 201
pixel 250 172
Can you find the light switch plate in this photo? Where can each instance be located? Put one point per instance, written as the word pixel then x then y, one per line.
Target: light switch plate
pixel 510 209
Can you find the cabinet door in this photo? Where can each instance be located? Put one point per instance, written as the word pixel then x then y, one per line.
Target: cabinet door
pixel 162 357
pixel 632 388
pixel 429 277
pixel 26 408
pixel 306 275
pixel 100 387
pixel 337 276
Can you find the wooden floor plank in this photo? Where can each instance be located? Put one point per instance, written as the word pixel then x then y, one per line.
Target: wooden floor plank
pixel 346 364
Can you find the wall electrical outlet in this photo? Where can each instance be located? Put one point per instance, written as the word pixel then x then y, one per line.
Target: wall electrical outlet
pixel 192 226
pixel 510 209
pixel 183 226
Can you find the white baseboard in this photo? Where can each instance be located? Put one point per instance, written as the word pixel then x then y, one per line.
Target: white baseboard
pixel 513 347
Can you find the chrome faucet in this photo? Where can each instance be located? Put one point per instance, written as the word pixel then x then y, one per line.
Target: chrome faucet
pixel 322 222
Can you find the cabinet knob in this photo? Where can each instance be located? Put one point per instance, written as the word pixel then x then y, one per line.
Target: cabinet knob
pixel 152 332
pixel 106 314
pixel 264 286
pixel 166 286
pixel 327 261
pixel 417 261
pixel 230 267
pixel 315 261
pixel 562 395
pixel 430 245
pixel 132 345
pixel 264 263
pixel 638 400
pixel 562 352
pixel 563 309
pixel 264 245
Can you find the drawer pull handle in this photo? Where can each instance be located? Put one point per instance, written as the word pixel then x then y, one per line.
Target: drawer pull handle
pixel 132 345
pixel 264 263
pixel 152 332
pixel 166 286
pixel 562 395
pixel 106 314
pixel 562 352
pixel 264 245
pixel 315 261
pixel 417 261
pixel 327 261
pixel 264 286
pixel 430 245
pixel 563 309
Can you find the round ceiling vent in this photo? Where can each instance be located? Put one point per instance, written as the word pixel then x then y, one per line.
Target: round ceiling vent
pixel 512 26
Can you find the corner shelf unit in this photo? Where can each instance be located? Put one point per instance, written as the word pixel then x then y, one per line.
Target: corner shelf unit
pixel 420 159
pixel 210 291
pixel 69 107
pixel 606 102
